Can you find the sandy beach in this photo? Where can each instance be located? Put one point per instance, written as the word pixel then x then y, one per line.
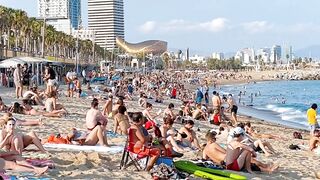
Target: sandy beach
pixel 294 164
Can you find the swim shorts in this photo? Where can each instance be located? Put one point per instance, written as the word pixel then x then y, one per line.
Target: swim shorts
pixel 234 166
pixel 234 109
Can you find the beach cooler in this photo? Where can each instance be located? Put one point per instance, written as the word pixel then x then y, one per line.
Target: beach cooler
pixel 166 160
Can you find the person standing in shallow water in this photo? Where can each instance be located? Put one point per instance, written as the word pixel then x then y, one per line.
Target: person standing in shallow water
pixel 312 118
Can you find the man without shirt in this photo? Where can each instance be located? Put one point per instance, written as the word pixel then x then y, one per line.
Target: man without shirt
pixel 96 124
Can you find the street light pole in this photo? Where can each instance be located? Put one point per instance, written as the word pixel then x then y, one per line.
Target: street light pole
pixel 44 26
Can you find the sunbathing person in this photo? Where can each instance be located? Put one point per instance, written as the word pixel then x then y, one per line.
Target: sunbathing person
pixel 19 166
pixel 3 107
pixel 241 156
pixel 249 129
pixel 13 141
pixel 314 141
pixel 169 111
pixel 107 109
pixel 24 109
pixel 96 125
pixel 121 121
pixel 33 96
pixel 198 113
pixel 187 137
pixel 170 134
pixel 213 150
pixel 116 106
pixel 147 114
pixel 52 106
pixel 20 122
pixel 140 141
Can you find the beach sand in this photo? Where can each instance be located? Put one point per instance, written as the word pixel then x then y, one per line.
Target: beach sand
pixel 294 164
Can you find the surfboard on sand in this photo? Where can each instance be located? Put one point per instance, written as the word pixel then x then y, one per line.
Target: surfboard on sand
pixel 207 173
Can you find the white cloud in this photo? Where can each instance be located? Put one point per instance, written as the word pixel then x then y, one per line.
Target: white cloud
pixel 148 27
pixel 215 25
pixel 178 25
pixel 257 26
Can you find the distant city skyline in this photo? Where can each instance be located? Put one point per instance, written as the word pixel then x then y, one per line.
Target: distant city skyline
pixel 214 25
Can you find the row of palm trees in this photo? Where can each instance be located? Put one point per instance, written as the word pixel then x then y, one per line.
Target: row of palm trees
pixel 18 32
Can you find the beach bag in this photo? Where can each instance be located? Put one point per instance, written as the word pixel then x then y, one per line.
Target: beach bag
pixel 297 135
pixel 294 147
pixel 163 171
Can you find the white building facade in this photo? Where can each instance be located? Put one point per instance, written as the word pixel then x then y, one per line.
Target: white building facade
pixel 64 15
pixel 218 55
pixel 84 34
pixel 106 18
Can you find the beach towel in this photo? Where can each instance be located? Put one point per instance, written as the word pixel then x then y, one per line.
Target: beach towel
pixel 41 162
pixel 97 148
pixel 25 176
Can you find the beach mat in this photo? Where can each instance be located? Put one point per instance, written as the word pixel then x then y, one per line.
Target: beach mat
pixel 22 176
pixel 71 147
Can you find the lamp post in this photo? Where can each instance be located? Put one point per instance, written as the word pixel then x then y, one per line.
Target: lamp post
pixel 46 9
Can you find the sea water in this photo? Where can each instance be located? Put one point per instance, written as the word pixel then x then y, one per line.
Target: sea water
pixel 283 102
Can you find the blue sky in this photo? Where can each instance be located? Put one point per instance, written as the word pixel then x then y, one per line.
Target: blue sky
pixel 207 26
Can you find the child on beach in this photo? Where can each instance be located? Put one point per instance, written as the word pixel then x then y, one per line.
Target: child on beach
pixel 312 118
pixel 77 84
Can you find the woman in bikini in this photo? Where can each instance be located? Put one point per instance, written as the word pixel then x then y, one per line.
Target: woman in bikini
pixel 168 132
pixel 249 130
pixel 14 141
pixel 140 142
pixel 121 121
pixel 20 122
pixel 52 107
pixel 191 139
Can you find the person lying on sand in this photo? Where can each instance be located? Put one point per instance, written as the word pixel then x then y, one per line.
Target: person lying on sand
pixel 121 121
pixel 141 141
pixel 258 145
pixel 96 124
pixel 240 156
pixel 187 137
pixel 14 141
pixel 19 166
pixel 249 129
pixel 20 122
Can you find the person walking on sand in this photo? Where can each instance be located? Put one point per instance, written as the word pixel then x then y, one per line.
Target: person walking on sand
pixel 17 78
pixel 312 118
pixel 233 108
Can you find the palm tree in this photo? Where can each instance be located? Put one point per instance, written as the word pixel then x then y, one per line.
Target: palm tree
pixel 22 31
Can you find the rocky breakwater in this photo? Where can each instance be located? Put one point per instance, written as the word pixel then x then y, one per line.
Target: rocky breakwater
pixel 310 75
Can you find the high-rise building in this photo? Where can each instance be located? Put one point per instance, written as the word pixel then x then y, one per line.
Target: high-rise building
pixel 75 13
pixel 106 18
pixel 275 56
pixel 64 15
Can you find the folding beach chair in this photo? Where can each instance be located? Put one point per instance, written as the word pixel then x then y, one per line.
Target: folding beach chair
pixel 129 157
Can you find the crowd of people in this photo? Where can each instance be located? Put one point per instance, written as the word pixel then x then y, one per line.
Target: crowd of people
pixel 170 132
